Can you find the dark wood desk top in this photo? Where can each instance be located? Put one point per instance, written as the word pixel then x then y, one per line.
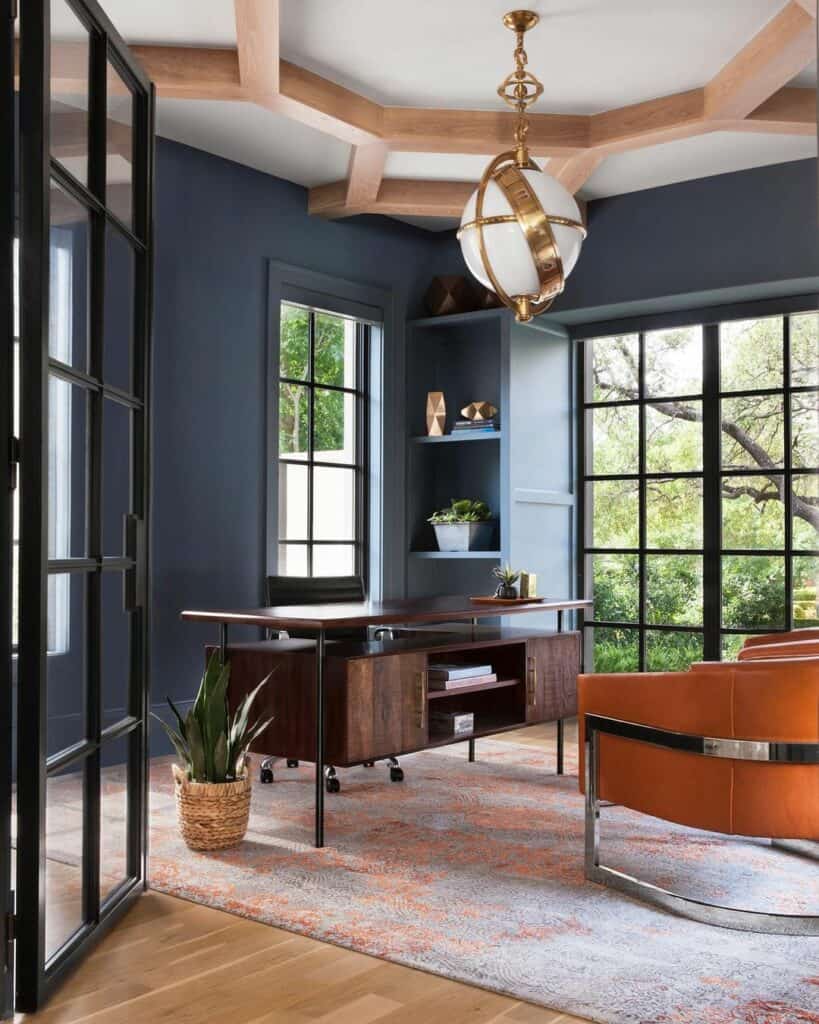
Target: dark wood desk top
pixel 373 613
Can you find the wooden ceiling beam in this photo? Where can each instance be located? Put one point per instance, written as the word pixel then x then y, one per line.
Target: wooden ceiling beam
pixel 402 197
pixel 574 171
pixel 328 107
pixel 790 111
pixel 649 123
pixel 778 52
pixel 257 38
pixel 481 131
pixel 809 6
pixel 192 72
pixel 365 173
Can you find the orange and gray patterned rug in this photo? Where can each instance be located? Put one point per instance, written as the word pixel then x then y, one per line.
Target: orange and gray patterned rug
pixel 475 872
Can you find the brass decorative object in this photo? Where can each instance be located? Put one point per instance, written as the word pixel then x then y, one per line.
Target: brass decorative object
pixel 449 294
pixel 479 411
pixel 518 198
pixel 436 414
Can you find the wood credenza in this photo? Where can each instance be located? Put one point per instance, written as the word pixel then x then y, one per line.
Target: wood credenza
pixel 377 698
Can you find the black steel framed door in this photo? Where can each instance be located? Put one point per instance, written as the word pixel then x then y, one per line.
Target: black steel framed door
pixel 85 183
pixel 7 469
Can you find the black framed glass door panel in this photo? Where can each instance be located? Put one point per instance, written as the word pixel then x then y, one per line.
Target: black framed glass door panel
pixel 86 152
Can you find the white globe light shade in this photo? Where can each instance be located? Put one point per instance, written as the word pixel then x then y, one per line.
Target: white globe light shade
pixel 507 250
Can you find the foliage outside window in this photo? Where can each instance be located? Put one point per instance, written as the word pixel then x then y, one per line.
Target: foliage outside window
pixel 322 449
pixel 701 497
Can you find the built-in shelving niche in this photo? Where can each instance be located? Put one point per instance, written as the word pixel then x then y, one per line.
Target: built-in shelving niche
pixel 460 356
pixel 526 370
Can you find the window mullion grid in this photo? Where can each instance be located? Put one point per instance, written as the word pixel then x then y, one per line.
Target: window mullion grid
pixel 96 299
pixel 361 454
pixel 311 409
pixel 787 479
pixel 642 525
pixel 711 495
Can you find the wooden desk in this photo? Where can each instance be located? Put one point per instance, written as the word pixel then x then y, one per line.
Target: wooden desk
pixel 319 622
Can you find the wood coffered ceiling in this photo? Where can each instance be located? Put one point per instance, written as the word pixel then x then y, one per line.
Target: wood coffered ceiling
pixel 749 94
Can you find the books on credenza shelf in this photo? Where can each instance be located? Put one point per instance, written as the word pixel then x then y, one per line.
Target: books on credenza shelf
pixel 474 426
pixel 443 676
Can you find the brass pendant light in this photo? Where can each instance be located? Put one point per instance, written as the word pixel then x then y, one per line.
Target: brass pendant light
pixel 521 231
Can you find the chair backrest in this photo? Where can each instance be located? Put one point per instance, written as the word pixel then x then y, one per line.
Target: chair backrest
pixel 787 649
pixel 781 638
pixel 287 590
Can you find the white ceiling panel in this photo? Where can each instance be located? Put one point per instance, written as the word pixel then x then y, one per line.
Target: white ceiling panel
pixel 698 157
pixel 192 22
pixel 591 54
pixel 259 138
pixel 443 166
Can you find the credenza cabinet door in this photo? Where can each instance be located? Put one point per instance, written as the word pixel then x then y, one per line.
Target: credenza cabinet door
pixel 386 706
pixel 552 665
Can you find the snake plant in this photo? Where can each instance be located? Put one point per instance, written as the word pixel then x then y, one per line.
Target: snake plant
pixel 211 744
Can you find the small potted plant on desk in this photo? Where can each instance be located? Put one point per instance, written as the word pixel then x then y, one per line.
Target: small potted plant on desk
pixel 507 582
pixel 212 782
pixel 465 526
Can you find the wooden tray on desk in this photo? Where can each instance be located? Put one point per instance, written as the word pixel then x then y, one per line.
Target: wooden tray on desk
pixel 507 600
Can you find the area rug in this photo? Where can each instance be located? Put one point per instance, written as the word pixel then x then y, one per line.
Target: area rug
pixel 475 872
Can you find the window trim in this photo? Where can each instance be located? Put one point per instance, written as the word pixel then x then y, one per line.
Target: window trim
pixel 712 473
pixel 382 562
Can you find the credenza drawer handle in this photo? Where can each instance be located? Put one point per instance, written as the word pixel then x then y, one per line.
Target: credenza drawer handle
pixel 531 681
pixel 421 699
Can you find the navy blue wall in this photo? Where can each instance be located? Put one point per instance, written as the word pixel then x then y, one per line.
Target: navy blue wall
pixel 217 225
pixel 724 239
pixel 748 234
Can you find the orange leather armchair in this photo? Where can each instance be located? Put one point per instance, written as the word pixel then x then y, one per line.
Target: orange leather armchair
pixel 728 747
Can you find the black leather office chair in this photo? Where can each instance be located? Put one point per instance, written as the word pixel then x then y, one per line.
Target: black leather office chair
pixel 296 590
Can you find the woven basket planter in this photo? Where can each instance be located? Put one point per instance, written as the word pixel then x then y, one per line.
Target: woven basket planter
pixel 212 815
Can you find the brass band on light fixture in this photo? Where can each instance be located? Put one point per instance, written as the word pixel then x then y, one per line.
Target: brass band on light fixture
pixel 520 89
pixel 511 218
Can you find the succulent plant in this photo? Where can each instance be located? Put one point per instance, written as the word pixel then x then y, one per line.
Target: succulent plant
pixel 462 510
pixel 211 745
pixel 506 574
pixel 508 577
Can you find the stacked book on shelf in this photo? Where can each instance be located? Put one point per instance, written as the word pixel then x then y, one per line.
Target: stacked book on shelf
pixel 476 426
pixel 443 676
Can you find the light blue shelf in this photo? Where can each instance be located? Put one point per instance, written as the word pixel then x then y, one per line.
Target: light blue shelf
pixel 489 555
pixel 493 435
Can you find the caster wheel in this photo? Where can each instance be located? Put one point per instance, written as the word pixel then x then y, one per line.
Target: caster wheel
pixel 369 764
pixel 292 763
pixel 396 774
pixel 266 775
pixel 333 785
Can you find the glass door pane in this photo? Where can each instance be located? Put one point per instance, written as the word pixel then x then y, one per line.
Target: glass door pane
pixel 83 372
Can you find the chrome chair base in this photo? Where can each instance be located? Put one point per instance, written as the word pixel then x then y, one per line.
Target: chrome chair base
pixel 695 910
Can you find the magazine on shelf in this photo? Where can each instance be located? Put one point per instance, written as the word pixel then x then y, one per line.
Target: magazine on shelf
pixel 447 670
pixel 457 684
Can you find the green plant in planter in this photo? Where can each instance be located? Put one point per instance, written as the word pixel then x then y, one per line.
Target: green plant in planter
pixel 508 578
pixel 462 510
pixel 211 745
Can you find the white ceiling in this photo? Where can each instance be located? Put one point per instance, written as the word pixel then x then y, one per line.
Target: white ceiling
pixel 591 54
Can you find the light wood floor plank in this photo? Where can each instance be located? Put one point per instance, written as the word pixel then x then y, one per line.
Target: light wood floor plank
pixel 169 960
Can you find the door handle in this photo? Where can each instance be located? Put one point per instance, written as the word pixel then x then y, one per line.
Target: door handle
pixel 134 595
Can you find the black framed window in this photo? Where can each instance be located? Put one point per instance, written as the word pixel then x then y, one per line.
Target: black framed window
pixel 701 499
pixel 322 443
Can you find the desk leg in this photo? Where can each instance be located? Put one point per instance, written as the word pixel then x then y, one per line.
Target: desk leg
pixel 560 746
pixel 319 840
pixel 472 749
pixel 560 620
